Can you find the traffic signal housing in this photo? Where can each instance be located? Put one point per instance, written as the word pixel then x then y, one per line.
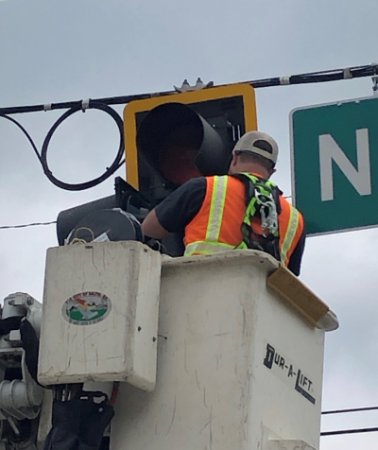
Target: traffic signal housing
pixel 172 138
pixel 168 140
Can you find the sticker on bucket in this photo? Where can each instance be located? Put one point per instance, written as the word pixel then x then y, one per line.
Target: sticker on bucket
pixel 86 308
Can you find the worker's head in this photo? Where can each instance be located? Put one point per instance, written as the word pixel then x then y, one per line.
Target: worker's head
pixel 254 151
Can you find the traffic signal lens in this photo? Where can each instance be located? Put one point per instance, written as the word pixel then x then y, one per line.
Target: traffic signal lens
pixel 180 144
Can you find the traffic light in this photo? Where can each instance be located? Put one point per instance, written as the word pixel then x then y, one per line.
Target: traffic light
pixel 173 138
pixel 112 218
pixel 168 140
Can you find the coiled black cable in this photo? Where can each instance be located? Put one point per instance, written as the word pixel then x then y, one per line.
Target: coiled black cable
pixel 109 170
pixel 42 158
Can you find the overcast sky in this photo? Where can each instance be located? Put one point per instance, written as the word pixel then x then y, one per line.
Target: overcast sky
pixel 54 51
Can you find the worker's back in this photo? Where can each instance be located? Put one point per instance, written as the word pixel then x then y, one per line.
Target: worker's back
pixel 218 224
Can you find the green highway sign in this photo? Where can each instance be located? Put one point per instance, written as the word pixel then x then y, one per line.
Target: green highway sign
pixel 334 157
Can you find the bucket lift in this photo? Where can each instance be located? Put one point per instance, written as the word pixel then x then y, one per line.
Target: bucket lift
pixel 237 341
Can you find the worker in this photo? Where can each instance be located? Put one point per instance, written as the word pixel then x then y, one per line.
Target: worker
pixel 243 209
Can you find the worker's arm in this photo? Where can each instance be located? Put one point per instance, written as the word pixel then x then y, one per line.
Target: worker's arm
pixel 151 226
pixel 175 211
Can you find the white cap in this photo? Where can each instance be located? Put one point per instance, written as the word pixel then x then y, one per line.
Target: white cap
pixel 259 143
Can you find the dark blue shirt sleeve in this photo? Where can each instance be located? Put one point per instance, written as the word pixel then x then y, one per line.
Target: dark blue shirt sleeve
pixel 180 207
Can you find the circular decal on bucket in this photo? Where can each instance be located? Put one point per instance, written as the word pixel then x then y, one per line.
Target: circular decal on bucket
pixel 86 308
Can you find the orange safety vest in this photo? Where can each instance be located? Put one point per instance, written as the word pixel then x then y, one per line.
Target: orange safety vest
pixel 217 225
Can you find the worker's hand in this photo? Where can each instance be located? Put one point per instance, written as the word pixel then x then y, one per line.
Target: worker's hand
pixel 154 244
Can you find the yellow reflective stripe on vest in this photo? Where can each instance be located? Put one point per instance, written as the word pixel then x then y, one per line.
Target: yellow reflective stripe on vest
pixel 206 248
pixel 290 234
pixel 218 199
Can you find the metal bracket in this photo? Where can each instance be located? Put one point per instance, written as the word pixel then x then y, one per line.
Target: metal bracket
pixel 185 87
pixel 20 399
pixel 374 79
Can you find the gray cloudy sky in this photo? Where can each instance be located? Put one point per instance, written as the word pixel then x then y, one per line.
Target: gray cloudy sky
pixel 54 51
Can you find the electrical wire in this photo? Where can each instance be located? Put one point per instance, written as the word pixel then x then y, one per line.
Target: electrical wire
pixel 25 133
pixel 42 158
pixel 25 225
pixel 353 430
pixel 350 431
pixel 339 411
pixel 109 170
pixel 103 104
pixel 312 77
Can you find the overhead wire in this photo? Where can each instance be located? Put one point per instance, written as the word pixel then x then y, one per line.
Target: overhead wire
pixel 339 411
pixel 351 430
pixel 25 225
pixel 312 77
pixel 103 104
